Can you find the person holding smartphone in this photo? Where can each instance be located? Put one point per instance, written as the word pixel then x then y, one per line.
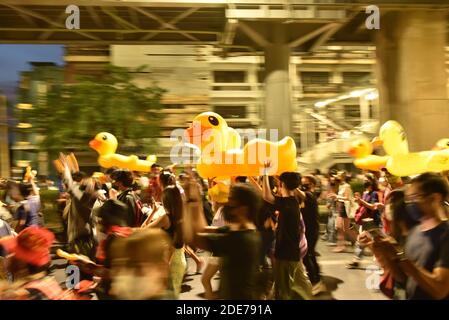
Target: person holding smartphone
pixel 422 265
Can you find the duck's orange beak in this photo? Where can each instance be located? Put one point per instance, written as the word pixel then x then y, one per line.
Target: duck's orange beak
pixel 377 142
pixel 352 152
pixel 195 132
pixel 94 144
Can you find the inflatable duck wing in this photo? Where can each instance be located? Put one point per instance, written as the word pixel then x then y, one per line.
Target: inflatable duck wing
pixel 106 145
pixel 362 150
pixel 438 160
pixel 220 157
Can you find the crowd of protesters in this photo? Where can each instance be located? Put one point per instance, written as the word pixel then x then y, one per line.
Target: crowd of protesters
pixel 130 233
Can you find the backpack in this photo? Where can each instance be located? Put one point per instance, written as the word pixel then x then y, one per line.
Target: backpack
pixel 138 205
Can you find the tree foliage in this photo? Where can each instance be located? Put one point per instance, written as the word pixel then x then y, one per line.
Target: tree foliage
pixel 72 114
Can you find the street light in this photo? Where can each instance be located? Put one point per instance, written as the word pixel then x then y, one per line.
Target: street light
pixel 24 106
pixel 24 125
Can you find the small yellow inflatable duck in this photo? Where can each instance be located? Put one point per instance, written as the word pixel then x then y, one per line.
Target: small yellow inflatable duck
pixel 106 145
pixel 403 163
pixel 362 150
pixel 221 158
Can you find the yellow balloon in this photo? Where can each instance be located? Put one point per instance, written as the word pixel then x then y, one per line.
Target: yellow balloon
pixel 106 145
pixel 219 157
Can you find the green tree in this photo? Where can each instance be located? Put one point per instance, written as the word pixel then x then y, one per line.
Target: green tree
pixel 72 114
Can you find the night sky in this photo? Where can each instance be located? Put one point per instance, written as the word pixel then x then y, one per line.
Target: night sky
pixel 15 58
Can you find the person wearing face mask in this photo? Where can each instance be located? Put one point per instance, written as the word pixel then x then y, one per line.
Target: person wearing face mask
pixel 237 244
pixel 422 266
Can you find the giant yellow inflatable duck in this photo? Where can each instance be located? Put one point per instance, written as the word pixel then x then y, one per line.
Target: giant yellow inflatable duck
pixel 106 145
pixel 362 150
pixel 404 163
pixel 220 157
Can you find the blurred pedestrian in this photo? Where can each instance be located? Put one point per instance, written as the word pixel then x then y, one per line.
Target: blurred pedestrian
pixel 140 266
pixel 368 204
pixel 28 262
pixel 422 265
pixel 238 243
pixel 345 198
pixel 290 279
pixel 172 223
pixel 309 211
pixel 122 181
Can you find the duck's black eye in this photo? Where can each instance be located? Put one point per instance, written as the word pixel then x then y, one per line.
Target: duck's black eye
pixel 213 121
pixel 447 143
pixel 105 138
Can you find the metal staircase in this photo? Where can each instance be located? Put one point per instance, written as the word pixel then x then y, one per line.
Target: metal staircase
pixel 326 154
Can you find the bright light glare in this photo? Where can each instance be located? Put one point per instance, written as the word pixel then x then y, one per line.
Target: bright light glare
pixel 371 96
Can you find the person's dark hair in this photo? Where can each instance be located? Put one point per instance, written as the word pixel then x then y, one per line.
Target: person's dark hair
pixel 124 176
pixel 240 179
pixel 25 189
pixel 113 213
pixel 291 180
pixel 155 165
pixel 396 199
pixel 372 182
pixel 311 179
pixel 110 170
pixel 431 183
pixel 173 205
pixel 245 195
pixel 166 178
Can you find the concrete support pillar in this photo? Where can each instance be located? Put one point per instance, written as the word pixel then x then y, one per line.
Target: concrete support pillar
pixel 277 84
pixel 4 147
pixel 411 74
